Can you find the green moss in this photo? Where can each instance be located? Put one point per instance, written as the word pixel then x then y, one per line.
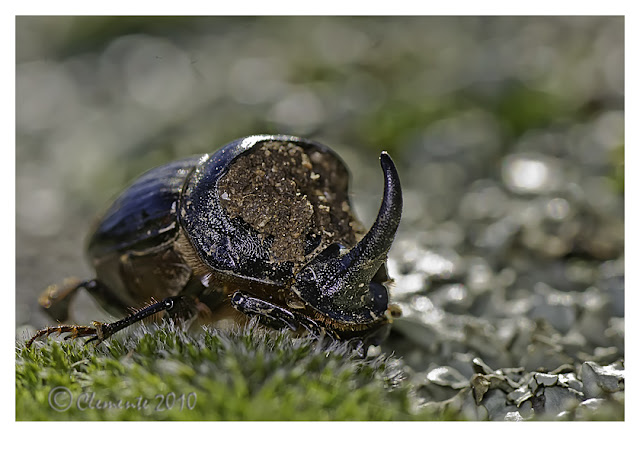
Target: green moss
pixel 169 375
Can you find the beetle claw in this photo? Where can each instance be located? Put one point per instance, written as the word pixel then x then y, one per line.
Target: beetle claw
pixel 75 331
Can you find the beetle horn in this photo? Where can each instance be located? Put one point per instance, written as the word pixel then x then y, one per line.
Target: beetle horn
pixel 338 282
pixel 364 260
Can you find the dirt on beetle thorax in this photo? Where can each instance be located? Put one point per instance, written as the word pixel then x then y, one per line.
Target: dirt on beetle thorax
pixel 281 191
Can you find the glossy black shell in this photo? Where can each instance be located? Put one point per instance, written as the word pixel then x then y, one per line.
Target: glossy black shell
pixel 145 215
pixel 230 246
pixel 132 244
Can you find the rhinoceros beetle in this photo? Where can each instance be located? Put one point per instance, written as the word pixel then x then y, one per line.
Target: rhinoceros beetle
pixel 262 228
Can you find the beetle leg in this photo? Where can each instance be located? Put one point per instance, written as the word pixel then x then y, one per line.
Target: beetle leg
pixel 276 316
pixel 56 299
pixel 101 331
pixel 105 330
pixel 75 331
pixel 316 330
pixel 268 313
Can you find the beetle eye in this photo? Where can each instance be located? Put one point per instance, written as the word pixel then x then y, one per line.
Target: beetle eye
pixel 376 299
pixel 378 293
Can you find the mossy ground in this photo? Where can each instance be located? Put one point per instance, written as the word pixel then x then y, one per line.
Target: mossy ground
pixel 252 374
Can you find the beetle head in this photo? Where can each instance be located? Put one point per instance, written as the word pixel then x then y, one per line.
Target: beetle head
pixel 343 283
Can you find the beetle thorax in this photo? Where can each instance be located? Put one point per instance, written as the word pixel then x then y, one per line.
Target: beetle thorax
pixel 294 197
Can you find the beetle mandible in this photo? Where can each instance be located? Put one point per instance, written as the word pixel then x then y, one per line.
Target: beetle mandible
pixel 262 228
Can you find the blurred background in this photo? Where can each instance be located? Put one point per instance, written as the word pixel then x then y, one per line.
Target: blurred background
pixel 508 133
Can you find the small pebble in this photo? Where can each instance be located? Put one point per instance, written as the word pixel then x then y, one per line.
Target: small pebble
pixel 447 376
pixel 601 380
pixel 513 416
pixel 543 379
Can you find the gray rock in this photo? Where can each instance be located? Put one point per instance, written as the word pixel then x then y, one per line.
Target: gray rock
pixel 441 266
pixel 612 283
pixel 480 384
pixel 604 355
pixel 558 308
pixel 480 276
pixel 415 328
pixel 495 402
pixel 447 376
pixel 594 320
pixel 615 332
pixel 561 316
pixel 435 392
pixel 543 379
pixel 513 416
pixel 519 396
pixel 526 409
pixel 586 409
pixel 452 298
pixel 592 404
pixel 461 403
pixel 408 284
pixel 558 399
pixel 544 353
pixel 599 380
pixel 463 362
pixel 569 380
pixel 481 367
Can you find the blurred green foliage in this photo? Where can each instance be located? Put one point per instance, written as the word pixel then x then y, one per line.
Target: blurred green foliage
pixel 618 168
